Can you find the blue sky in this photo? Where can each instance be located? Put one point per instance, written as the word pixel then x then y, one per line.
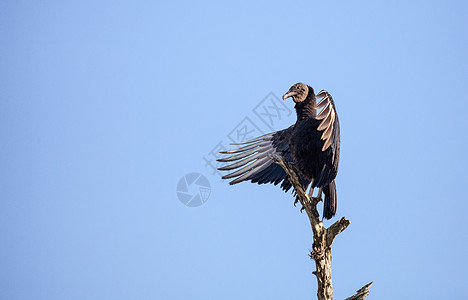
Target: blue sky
pixel 106 105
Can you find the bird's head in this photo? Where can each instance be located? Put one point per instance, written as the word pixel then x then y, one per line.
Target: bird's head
pixel 298 92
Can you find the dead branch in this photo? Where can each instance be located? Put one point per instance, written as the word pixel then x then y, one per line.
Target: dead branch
pixel 362 293
pixel 323 237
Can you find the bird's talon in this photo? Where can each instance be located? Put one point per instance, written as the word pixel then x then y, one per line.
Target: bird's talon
pixel 317 199
pixel 295 202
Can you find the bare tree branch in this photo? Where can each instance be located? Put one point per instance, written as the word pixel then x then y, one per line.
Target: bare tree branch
pixel 323 237
pixel 362 293
pixel 335 229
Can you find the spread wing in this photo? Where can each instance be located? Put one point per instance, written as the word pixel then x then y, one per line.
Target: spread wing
pixel 329 121
pixel 253 162
pixel 330 129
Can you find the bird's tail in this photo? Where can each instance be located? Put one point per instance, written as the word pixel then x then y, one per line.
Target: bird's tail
pixel 330 203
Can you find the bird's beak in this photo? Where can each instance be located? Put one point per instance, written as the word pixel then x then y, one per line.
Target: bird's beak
pixel 289 94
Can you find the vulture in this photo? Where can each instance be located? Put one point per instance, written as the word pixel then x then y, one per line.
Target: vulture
pixel 312 144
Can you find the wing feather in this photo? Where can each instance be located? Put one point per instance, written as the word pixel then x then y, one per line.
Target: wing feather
pixel 238 156
pixel 259 138
pixel 245 161
pixel 328 118
pixel 248 147
pixel 253 161
pixel 325 111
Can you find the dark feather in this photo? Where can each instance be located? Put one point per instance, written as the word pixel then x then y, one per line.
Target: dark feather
pixel 253 161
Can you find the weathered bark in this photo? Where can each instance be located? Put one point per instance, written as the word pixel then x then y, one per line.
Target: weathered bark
pixel 362 293
pixel 323 237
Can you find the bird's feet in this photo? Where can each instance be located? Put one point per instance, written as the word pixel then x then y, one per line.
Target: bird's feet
pixel 295 202
pixel 317 199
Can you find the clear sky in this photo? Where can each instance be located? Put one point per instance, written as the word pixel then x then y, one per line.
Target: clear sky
pixel 106 105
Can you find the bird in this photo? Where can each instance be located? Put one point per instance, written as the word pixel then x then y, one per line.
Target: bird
pixel 312 145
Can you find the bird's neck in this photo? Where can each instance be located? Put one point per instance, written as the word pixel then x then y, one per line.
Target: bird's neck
pixel 306 109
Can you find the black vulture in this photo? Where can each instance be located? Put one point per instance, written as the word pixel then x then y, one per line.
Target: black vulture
pixel 312 145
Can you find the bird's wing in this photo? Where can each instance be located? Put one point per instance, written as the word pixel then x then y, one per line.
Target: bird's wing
pixel 253 162
pixel 329 124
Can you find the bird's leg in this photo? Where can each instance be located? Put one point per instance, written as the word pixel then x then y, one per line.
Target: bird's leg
pixel 319 198
pixel 319 194
pixel 311 191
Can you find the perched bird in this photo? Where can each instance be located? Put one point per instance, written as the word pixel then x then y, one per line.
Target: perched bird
pixel 312 145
